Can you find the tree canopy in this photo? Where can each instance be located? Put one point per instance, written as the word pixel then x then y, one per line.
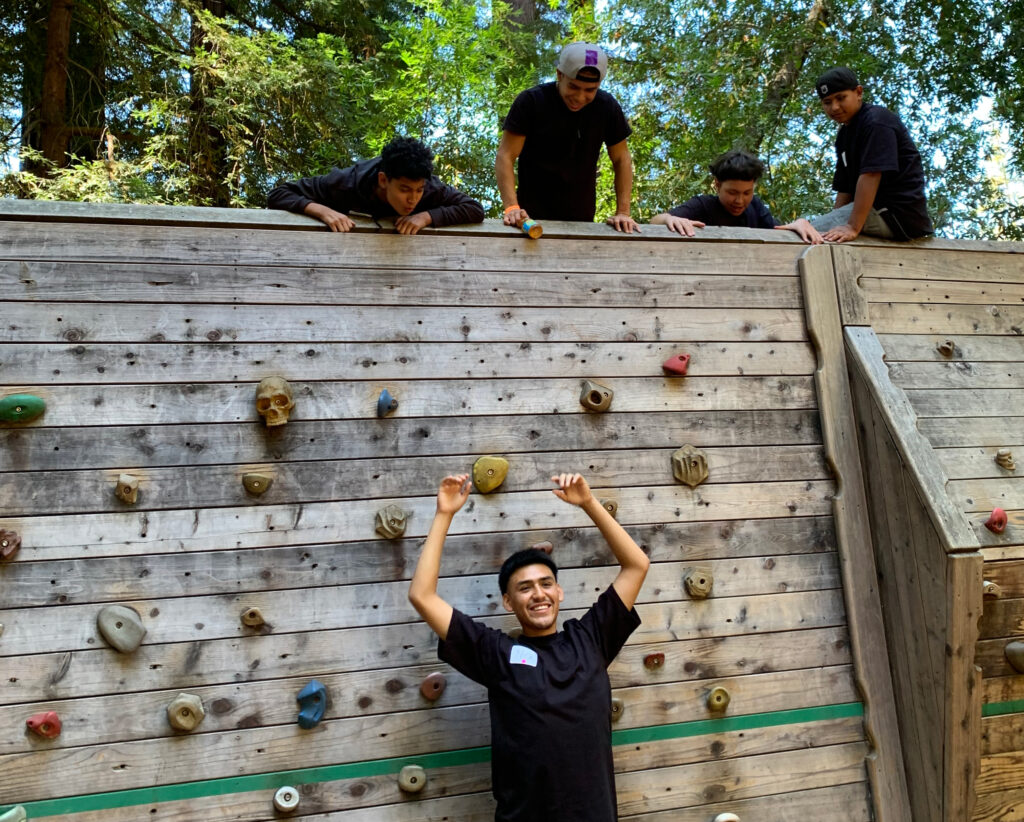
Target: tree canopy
pixel 211 102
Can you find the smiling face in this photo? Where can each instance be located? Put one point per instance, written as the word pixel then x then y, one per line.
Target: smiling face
pixel 401 193
pixel 843 105
pixel 735 195
pixel 575 93
pixel 533 595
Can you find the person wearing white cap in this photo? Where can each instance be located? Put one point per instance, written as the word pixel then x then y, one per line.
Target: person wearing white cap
pixel 554 133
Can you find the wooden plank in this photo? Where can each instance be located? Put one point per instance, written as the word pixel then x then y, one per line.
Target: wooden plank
pixel 947 432
pixel 867 630
pixel 148 322
pixel 193 664
pixel 975 348
pixel 1001 734
pixel 978 463
pixel 941 290
pixel 995 553
pixel 918 264
pixel 948 320
pixel 56 492
pixel 73 627
pixel 959 374
pixel 1000 772
pixel 868 359
pixel 1003 402
pixel 227 362
pixel 1009 576
pixel 33 448
pixel 853 305
pixel 986 494
pixel 293 284
pixel 1005 685
pixel 1002 618
pixel 1004 805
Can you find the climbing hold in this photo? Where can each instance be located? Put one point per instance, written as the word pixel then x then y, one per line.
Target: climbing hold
pixel 21 407
pixel 676 364
pixel 596 397
pixel 718 700
pixel 15 814
pixel 545 546
pixel 489 473
pixel 1015 655
pixel 611 506
pixel 286 799
pixel 274 401
pixel 252 617
pixel 726 817
pixel 312 703
pixel 185 712
pixel 654 661
pixel 991 590
pixel 10 542
pixel 433 685
pixel 690 465
pixel 412 779
pixel 121 627
pixel 257 484
pixel 996 523
pixel 532 229
pixel 947 348
pixel 386 403
pixel 45 724
pixel 127 488
pixel 391 521
pixel 1004 458
pixel 618 707
pixel 698 583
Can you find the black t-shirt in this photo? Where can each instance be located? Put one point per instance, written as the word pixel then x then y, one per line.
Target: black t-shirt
pixel 558 164
pixel 709 210
pixel 550 704
pixel 875 139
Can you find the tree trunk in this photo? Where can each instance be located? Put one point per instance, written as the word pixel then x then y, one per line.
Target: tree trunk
pixel 53 140
pixel 207 147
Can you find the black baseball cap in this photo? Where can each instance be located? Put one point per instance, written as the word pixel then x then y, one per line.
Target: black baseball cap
pixel 835 79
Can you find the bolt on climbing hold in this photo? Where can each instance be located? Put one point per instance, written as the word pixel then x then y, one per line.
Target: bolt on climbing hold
pixel 185 712
pixel 257 484
pixel 1015 655
pixel 947 348
pixel 618 708
pixel 10 542
pixel 718 700
pixel 545 546
pixel 489 473
pixel 1004 459
pixel 46 724
pixel 127 488
pixel 386 403
pixel 121 627
pixel 312 701
pixel 654 661
pixel 391 521
pixel 15 814
pixel 412 779
pixel 726 817
pixel 274 401
pixel 991 590
pixel 286 799
pixel 676 364
pixel 252 617
pixel 596 397
pixel 433 686
pixel 698 583
pixel 21 407
pixel 690 465
pixel 996 523
pixel 610 505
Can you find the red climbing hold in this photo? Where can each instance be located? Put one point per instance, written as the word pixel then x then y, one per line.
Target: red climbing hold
pixel 677 364
pixel 997 522
pixel 45 724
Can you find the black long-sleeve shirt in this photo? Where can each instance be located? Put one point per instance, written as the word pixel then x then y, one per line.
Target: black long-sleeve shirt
pixel 354 189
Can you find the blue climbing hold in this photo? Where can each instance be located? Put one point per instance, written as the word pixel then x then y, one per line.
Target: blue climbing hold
pixel 386 403
pixel 312 704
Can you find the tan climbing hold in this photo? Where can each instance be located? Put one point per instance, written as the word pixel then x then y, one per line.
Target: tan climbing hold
pixel 15 814
pixel 127 488
pixel 947 348
pixel 257 484
pixel 618 708
pixel 690 466
pixel 596 397
pixel 1015 655
pixel 274 401
pixel 185 712
pixel 10 543
pixel 433 686
pixel 718 700
pixel 391 521
pixel 121 627
pixel 991 590
pixel 726 817
pixel 489 473
pixel 545 546
pixel 1004 459
pixel 286 799
pixel 252 617
pixel 412 779
pixel 698 582
pixel 611 506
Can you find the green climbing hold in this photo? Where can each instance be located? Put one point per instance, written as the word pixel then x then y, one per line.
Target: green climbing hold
pixel 21 407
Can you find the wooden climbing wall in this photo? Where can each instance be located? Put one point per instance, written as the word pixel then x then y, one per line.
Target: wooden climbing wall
pixel 147 342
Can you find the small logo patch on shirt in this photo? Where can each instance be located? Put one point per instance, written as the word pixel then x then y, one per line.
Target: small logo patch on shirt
pixel 521 655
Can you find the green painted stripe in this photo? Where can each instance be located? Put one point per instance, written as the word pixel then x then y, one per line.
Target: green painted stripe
pixel 1015 706
pixel 377 767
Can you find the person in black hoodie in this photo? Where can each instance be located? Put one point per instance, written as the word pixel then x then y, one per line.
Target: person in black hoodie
pixel 400 184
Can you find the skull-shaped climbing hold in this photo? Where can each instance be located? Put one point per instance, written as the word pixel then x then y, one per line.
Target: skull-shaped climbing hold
pixel 256 483
pixel 947 348
pixel 185 712
pixel 433 685
pixel 1004 459
pixel 391 521
pixel 996 523
pixel 121 627
pixel 489 473
pixel 698 582
pixel 718 700
pixel 127 488
pixel 10 542
pixel 1015 655
pixel 596 397
pixel 611 506
pixel 386 403
pixel 676 364
pixel 274 401
pixel 726 817
pixel 286 799
pixel 47 724
pixel 15 814
pixel 312 701
pixel 991 589
pixel 21 407
pixel 618 708
pixel 690 465
pixel 412 779
pixel 252 617
pixel 654 661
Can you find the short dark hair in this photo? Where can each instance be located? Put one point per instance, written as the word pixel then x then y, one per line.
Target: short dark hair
pixel 520 559
pixel 407 157
pixel 737 165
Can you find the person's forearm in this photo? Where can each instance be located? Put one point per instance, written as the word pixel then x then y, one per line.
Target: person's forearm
pixel 428 569
pixel 864 199
pixel 660 219
pixel 623 169
pixel 504 170
pixel 624 547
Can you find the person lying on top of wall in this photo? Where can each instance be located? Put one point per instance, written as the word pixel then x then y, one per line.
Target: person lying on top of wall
pixel 400 183
pixel 735 176
pixel 548 689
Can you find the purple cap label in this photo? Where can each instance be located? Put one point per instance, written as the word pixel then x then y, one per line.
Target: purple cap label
pixel 591 58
